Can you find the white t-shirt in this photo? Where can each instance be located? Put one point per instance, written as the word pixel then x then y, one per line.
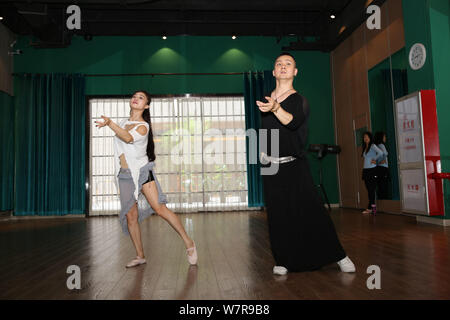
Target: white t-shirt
pixel 135 152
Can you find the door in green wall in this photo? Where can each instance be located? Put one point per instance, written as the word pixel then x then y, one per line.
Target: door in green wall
pixel 388 82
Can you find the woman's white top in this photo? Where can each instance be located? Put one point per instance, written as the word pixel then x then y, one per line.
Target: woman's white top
pixel 135 152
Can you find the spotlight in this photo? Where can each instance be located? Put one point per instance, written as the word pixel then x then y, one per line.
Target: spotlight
pixel 233 37
pixel 164 37
pixel 333 16
pixel 1 18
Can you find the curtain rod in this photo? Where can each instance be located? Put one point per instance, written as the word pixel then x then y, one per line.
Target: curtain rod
pixel 153 74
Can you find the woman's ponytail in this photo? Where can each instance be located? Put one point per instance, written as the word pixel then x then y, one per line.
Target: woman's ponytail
pixel 150 144
pixel 146 115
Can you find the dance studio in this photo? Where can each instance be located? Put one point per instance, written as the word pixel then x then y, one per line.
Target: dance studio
pixel 229 90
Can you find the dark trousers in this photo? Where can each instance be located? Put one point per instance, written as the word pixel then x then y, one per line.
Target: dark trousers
pixel 383 182
pixel 370 179
pixel 301 232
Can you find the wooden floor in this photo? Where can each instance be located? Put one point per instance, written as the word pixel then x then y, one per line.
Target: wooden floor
pixel 235 260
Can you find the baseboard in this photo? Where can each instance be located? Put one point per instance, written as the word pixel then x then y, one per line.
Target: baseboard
pixel 333 205
pixel 5 214
pixel 440 222
pixel 67 216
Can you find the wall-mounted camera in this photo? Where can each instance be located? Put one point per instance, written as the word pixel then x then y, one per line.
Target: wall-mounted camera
pixel 16 52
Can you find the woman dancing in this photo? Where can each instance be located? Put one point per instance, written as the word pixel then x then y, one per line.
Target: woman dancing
pixel 302 234
pixel 140 192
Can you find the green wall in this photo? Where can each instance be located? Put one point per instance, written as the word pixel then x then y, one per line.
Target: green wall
pixel 378 96
pixel 7 154
pixel 428 22
pixel 185 54
pixel 417 29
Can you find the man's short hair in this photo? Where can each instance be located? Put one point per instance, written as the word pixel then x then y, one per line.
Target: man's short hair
pixel 286 54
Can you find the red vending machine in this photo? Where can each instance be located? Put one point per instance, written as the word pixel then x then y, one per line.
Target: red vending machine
pixel 418 154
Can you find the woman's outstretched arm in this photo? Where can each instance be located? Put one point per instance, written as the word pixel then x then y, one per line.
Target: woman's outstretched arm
pixel 123 134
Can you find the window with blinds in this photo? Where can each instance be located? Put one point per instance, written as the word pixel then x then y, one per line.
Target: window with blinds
pixel 199 147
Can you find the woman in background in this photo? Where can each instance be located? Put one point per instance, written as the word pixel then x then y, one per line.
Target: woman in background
pixel 371 154
pixel 382 166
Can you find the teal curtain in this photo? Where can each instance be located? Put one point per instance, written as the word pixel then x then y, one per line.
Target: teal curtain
pixel 49 144
pixel 256 86
pixel 7 154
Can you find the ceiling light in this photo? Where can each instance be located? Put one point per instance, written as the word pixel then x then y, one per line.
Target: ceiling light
pixel 333 16
pixel 233 37
pixel 1 18
pixel 164 37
